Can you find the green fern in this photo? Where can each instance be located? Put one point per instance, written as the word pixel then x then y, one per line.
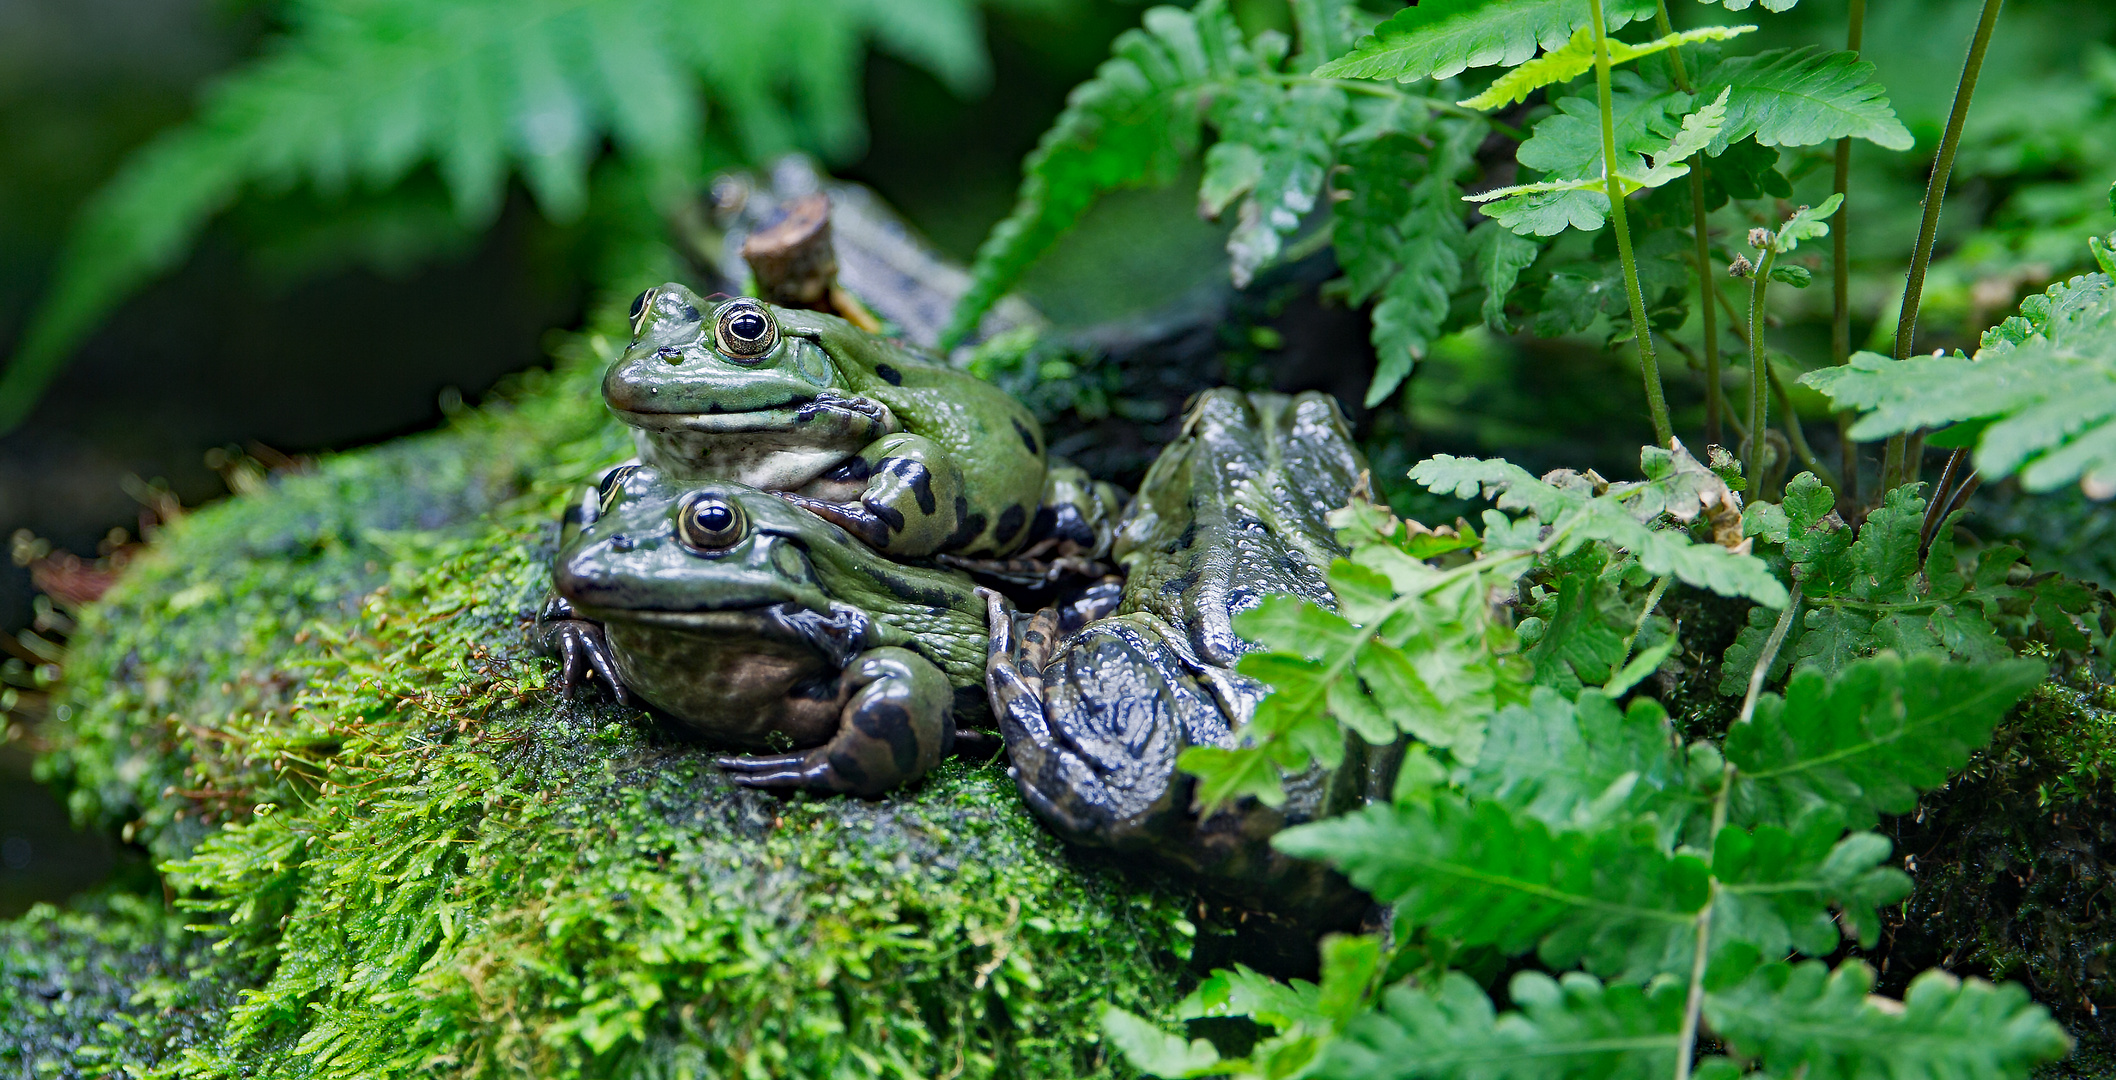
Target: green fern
pixel 1440 38
pixel 360 93
pixel 1871 591
pixel 2039 399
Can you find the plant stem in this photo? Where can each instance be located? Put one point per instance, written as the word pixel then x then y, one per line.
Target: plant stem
pixel 1840 270
pixel 1899 468
pixel 1693 1006
pixel 1649 367
pixel 1698 228
pixel 1759 371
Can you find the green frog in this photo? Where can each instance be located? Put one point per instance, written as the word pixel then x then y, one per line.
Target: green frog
pixel 757 625
pixel 1095 706
pixel 913 457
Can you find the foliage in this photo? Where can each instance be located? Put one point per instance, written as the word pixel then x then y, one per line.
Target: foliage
pixel 357 97
pixel 2037 400
pixel 1869 591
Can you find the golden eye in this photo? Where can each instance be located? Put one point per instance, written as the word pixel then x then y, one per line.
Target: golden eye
pixel 708 522
pixel 641 305
pixel 745 329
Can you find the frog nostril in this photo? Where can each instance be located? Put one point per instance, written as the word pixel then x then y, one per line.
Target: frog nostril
pixel 670 353
pixel 621 542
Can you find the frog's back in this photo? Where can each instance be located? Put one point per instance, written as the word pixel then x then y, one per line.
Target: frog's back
pixel 1236 510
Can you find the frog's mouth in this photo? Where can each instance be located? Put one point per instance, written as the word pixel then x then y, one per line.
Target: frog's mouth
pixel 838 634
pixel 826 410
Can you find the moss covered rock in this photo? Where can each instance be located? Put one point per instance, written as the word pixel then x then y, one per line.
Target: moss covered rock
pixel 317 704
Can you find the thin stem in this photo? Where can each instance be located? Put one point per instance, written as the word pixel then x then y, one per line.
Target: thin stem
pixel 1660 588
pixel 1936 508
pixel 1759 370
pixel 1699 229
pixel 1649 366
pixel 1693 1005
pixel 1905 468
pixel 1840 269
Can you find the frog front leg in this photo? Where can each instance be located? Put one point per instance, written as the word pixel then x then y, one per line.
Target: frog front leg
pixel 912 504
pixel 897 726
pixel 581 649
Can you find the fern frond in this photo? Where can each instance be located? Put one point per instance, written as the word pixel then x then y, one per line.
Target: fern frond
pixel 1133 125
pixel 1568 1027
pixel 360 94
pixel 1864 743
pixel 1485 875
pixel 1439 38
pixel 2049 393
pixel 1802 97
pixel 1805 1020
pixel 1676 484
pixel 1577 56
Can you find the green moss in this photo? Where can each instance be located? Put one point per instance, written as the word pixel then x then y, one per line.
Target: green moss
pixel 318 703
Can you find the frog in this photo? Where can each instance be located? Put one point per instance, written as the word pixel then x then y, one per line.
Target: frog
pixel 911 456
pixel 755 625
pixel 1094 708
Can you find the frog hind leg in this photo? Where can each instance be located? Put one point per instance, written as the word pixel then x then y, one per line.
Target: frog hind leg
pixel 913 504
pixel 897 726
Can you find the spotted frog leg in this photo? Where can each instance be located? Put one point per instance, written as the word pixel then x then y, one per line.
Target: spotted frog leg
pixel 581 648
pixel 896 725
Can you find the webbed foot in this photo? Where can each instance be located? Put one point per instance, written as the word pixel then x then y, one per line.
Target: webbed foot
pixel 582 652
pixel 897 726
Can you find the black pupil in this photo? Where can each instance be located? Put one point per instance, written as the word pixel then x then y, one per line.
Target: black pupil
pixel 715 518
pixel 747 326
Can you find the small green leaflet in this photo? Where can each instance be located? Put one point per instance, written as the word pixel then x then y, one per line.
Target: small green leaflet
pixel 1807 223
pixel 1439 38
pixel 1154 1051
pixel 1572 1026
pixel 1670 162
pixel 1577 57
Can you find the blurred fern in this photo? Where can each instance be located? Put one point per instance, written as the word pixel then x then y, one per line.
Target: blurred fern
pixel 358 95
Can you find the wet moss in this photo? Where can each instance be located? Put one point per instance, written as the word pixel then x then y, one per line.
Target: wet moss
pixel 2015 862
pixel 316 704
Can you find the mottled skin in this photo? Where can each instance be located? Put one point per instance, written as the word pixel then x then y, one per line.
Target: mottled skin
pixel 1095 716
pixel 913 457
pixel 756 625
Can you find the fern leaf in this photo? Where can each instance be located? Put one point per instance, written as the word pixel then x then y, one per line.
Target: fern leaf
pixel 1155 1052
pixel 1802 97
pixel 1274 151
pixel 1499 255
pixel 1743 5
pixel 1577 56
pixel 1440 38
pixel 1805 1020
pixel 1567 146
pixel 361 94
pixel 1483 874
pixel 1428 261
pixel 1777 887
pixel 2049 392
pixel 1568 1027
pixel 1865 742
pixel 1133 125
pixel 1577 517
pixel 1583 764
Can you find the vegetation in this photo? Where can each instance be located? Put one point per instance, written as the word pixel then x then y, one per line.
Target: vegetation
pixel 1675 745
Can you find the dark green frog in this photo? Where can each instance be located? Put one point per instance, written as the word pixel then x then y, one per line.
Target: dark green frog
pixel 913 457
pixel 1094 712
pixel 757 625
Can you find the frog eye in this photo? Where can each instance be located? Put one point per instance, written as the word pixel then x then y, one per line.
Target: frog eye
pixel 745 329
pixel 612 486
pixel 641 304
pixel 709 523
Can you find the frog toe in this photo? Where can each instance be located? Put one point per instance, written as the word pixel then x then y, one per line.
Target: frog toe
pixel 582 653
